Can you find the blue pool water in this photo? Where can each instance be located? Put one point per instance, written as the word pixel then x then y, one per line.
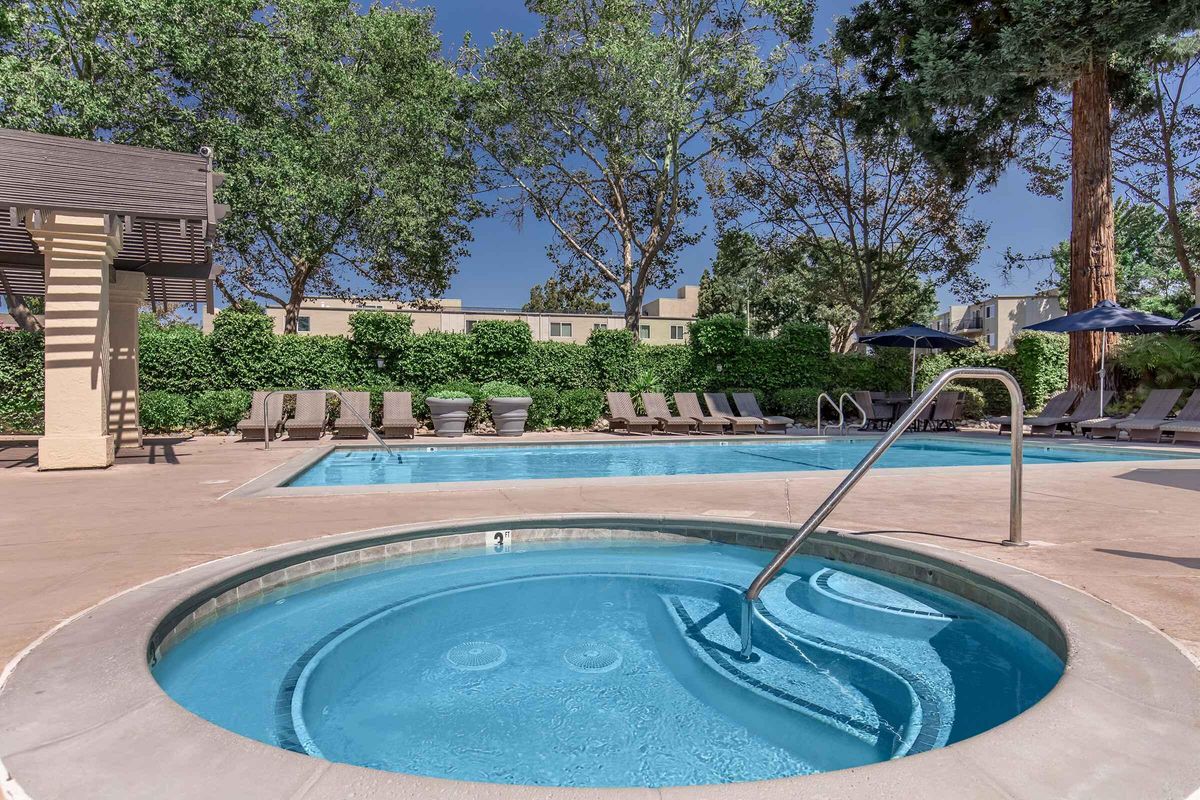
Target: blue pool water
pixel 357 467
pixel 607 664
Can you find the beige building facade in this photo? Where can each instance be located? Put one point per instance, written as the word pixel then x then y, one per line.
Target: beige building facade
pixel 995 322
pixel 664 320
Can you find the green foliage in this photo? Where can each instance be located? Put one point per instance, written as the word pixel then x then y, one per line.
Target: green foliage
pixel 313 362
pixel 502 389
pixel 22 382
pixel 1039 363
pixel 499 348
pixel 380 334
pixel 434 358
pixel 886 371
pixel 580 296
pixel 580 408
pixel 671 366
pixel 163 412
pixel 974 404
pixel 178 359
pixel 543 411
pixel 449 394
pixel 242 346
pixel 1161 361
pixel 560 364
pixel 614 359
pixel 799 403
pixel 218 409
pixel 478 411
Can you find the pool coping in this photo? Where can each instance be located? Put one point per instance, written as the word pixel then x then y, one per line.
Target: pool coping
pixel 101 727
pixel 270 484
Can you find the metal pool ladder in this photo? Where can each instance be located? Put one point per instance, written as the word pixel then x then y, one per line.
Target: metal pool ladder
pixel 887 440
pixel 366 422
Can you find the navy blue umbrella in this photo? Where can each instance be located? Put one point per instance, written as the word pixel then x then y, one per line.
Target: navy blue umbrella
pixel 914 336
pixel 1105 317
pixel 1189 321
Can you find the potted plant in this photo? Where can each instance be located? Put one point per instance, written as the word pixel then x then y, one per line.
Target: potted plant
pixel 509 404
pixel 449 410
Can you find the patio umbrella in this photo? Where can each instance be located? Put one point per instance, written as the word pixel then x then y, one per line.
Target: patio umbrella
pixel 1189 321
pixel 912 337
pixel 1106 317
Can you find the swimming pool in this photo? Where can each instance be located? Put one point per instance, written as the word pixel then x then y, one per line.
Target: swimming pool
pixel 605 664
pixel 370 466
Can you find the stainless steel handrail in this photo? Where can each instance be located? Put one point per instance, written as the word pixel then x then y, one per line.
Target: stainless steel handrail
pixel 862 411
pixel 825 398
pixel 893 433
pixel 366 422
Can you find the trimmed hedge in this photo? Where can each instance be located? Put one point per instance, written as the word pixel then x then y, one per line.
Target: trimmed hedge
pixel 214 373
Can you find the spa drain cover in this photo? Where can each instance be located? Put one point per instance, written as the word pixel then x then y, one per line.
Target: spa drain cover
pixel 476 655
pixel 592 657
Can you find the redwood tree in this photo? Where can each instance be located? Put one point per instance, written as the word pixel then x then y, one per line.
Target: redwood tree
pixel 970 83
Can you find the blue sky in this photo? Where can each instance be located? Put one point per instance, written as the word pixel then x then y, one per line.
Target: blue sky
pixel 505 262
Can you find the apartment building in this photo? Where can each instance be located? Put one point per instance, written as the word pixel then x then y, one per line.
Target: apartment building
pixel 997 320
pixel 664 320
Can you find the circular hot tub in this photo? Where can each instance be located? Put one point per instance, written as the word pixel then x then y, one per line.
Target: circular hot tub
pixel 606 663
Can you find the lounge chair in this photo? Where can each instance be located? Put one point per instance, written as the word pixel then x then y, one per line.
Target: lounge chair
pixel 656 406
pixel 1055 407
pixel 1084 411
pixel 1186 425
pixel 251 427
pixel 747 405
pixel 718 406
pixel 947 411
pixel 623 417
pixel 398 420
pixel 349 424
pixel 311 416
pixel 689 406
pixel 1153 412
pixel 1147 429
pixel 878 414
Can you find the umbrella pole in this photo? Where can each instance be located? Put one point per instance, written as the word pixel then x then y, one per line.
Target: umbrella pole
pixel 1103 358
pixel 912 380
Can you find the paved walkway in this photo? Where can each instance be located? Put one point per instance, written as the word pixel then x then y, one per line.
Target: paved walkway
pixel 1126 532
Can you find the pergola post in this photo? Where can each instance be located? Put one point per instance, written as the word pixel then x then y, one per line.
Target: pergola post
pixel 78 249
pixel 126 295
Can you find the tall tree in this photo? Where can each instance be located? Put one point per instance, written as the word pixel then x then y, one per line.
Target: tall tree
pixel 559 295
pixel 600 122
pixel 966 80
pixel 864 215
pixel 344 145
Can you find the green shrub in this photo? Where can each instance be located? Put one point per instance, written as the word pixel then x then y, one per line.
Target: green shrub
pixel 435 358
pixel 22 382
pixel 799 403
pixel 176 359
pixel 580 408
pixel 499 349
pixel 379 334
pixel 478 411
pixel 501 389
pixel 219 409
pixel 559 364
pixel 671 365
pixel 313 362
pixel 1039 363
pixel 163 412
pixel 614 357
pixel 242 348
pixel 1161 361
pixel 448 394
pixel 543 411
pixel 973 401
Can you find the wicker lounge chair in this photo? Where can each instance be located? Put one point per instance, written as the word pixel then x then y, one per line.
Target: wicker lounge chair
pixel 947 411
pixel 1186 425
pixel 623 417
pixel 718 406
pixel 1148 430
pixel 747 405
pixel 656 406
pixel 1083 412
pixel 878 414
pixel 311 416
pixel 1055 407
pixel 689 406
pixel 251 427
pixel 398 420
pixel 350 424
pixel 1153 412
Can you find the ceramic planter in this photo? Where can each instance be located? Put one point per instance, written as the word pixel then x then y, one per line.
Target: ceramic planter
pixel 509 414
pixel 449 415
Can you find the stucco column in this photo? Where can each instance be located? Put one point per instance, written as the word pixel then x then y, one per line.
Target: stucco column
pixel 125 297
pixel 78 250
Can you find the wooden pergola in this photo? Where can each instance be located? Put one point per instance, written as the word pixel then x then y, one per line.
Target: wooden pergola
pixel 98 229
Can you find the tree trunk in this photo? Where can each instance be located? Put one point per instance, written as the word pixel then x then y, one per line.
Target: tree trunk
pixel 1093 257
pixel 633 310
pixel 1181 253
pixel 25 319
pixel 291 311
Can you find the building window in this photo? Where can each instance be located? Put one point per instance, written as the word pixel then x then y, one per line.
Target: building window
pixel 560 329
pixel 470 324
pixel 302 324
pixel 599 326
pixel 991 340
pixel 677 332
pixel 987 311
pixel 644 332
